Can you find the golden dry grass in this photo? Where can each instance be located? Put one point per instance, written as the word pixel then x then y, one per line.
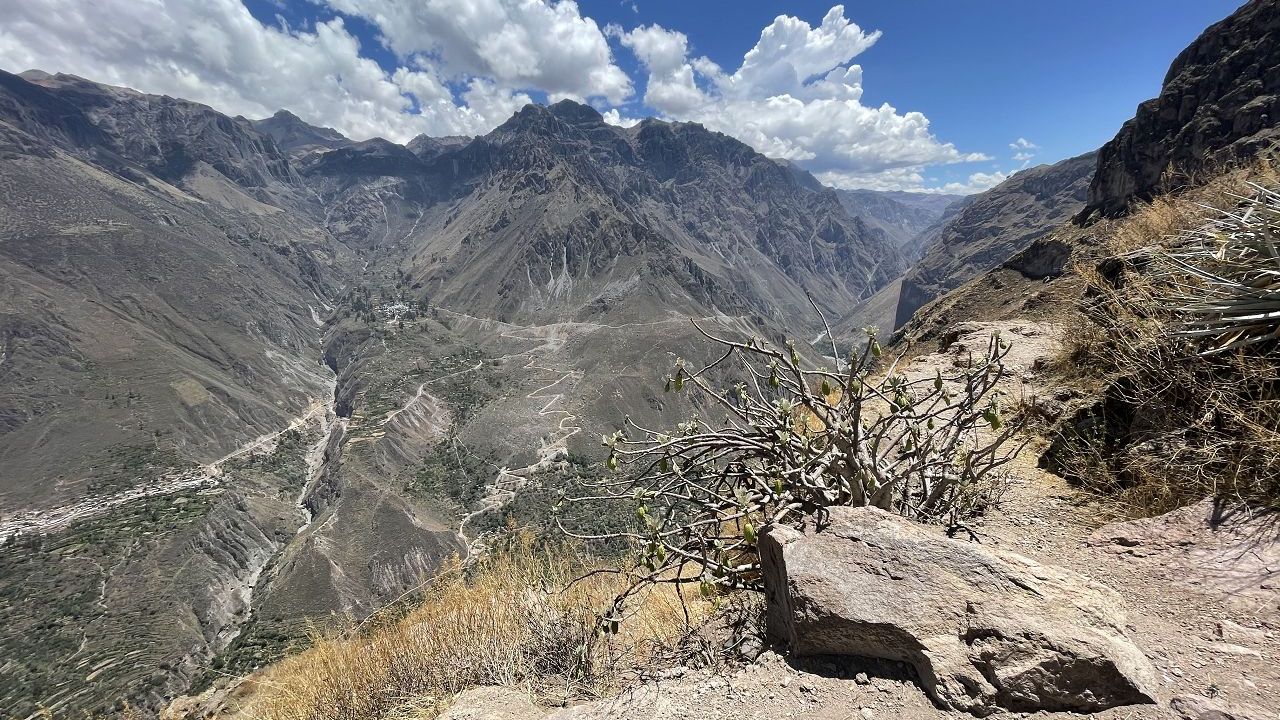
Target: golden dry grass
pixel 515 619
pixel 1178 425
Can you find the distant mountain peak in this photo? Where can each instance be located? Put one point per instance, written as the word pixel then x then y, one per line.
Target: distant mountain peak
pixel 298 137
pixel 576 112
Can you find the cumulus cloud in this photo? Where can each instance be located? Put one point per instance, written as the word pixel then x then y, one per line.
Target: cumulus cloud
pixel 795 96
pixel 613 117
pixel 216 52
pixel 517 43
pixel 461 67
pixel 976 183
pixel 1022 148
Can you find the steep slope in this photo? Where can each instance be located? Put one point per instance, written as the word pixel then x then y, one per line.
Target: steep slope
pixel 162 278
pixel 1219 102
pixel 115 274
pixel 297 137
pixel 994 225
pixel 903 216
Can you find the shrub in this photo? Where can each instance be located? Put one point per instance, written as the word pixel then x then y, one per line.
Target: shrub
pixel 794 442
pixel 1227 276
pixel 1181 323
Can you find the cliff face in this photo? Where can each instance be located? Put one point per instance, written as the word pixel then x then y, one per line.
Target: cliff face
pixel 1220 102
pixel 990 227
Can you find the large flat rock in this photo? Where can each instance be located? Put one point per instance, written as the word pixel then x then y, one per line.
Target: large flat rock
pixel 984 629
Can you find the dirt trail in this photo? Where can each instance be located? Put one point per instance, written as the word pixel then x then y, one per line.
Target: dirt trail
pixel 1212 655
pixel 204 476
pixel 506 483
pixel 551 338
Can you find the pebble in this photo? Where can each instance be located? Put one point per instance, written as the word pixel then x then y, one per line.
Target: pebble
pixel 866 714
pixel 862 679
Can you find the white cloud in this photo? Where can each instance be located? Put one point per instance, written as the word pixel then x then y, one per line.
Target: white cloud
pixel 976 183
pixel 796 97
pixel 463 66
pixel 1023 148
pixel 517 43
pixel 613 117
pixel 215 52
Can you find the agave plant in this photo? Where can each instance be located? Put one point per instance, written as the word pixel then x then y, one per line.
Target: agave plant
pixel 1227 275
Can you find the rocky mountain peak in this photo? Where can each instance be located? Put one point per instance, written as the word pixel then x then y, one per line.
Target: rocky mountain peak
pixel 298 137
pixel 1219 103
pixel 576 113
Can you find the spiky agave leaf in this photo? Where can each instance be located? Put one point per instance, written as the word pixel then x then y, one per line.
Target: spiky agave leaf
pixel 1227 275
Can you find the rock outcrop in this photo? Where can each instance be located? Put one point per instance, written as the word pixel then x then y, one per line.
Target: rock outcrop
pixel 993 226
pixel 1220 102
pixel 984 629
pixel 297 137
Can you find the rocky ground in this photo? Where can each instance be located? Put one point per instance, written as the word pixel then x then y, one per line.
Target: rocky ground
pixel 1201 589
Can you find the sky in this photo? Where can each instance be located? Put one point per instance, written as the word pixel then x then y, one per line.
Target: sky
pixel 924 95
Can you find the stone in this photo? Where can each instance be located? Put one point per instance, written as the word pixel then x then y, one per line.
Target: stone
pixel 1231 632
pixel 493 703
pixel 1195 707
pixel 1228 553
pixel 985 629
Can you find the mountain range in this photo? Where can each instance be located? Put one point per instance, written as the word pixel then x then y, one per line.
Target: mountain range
pixel 258 375
pixel 241 355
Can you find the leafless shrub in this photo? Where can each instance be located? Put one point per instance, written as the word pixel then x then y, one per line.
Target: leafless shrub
pixel 793 442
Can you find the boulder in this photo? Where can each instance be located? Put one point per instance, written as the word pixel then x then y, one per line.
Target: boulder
pixel 984 629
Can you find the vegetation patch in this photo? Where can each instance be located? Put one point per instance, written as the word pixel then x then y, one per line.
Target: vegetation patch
pixel 1179 331
pixel 523 616
pixel 56 627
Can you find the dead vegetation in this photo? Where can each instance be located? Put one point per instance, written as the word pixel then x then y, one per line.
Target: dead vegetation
pixel 785 443
pixel 523 616
pixel 1187 409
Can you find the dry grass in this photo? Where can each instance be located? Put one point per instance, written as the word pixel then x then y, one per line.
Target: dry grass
pixel 515 619
pixel 1175 425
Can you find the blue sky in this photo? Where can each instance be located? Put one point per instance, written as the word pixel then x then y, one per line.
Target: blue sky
pixel 1064 75
pixel 805 81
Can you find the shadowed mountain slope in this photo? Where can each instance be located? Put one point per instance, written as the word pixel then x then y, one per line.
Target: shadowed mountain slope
pixel 993 225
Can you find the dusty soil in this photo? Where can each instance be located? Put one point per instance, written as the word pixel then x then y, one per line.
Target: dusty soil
pixel 1204 604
